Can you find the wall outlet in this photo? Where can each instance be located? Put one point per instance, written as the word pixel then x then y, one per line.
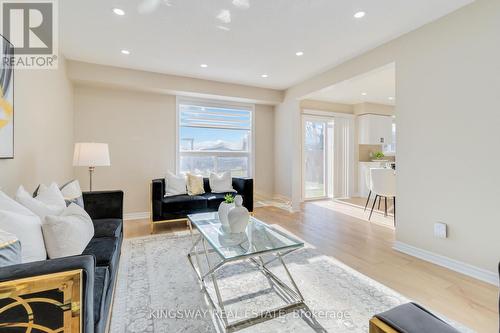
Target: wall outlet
pixel 440 230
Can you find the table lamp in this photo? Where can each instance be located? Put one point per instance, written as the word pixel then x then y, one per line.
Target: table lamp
pixel 91 155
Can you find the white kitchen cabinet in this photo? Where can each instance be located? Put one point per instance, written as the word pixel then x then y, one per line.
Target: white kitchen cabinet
pixel 374 129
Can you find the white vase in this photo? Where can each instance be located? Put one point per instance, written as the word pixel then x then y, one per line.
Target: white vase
pixel 238 216
pixel 224 209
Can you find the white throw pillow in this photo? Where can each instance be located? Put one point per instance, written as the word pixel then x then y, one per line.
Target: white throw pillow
pixel 51 195
pixel 69 233
pixel 175 185
pixel 221 183
pixel 18 220
pixel 46 203
pixel 72 193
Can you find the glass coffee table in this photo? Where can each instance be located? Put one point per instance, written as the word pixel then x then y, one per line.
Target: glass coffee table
pixel 258 240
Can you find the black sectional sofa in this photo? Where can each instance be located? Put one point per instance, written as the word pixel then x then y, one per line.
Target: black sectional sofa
pixel 98 264
pixel 179 206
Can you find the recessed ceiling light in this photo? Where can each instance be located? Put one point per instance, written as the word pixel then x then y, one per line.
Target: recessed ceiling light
pixel 299 53
pixel 391 98
pixel 243 4
pixel 118 11
pixel 359 15
pixel 126 52
pixel 203 65
pixel 264 75
pixel 364 94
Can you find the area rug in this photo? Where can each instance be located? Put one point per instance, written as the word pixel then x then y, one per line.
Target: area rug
pixel 157 291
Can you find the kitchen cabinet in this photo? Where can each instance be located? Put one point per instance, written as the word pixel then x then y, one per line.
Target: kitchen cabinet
pixel 374 129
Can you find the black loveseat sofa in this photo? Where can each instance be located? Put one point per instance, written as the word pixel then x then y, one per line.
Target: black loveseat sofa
pixel 178 207
pixel 96 269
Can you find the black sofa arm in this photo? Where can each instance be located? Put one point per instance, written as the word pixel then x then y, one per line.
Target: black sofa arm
pixel 244 187
pixel 104 204
pixel 48 279
pixel 157 193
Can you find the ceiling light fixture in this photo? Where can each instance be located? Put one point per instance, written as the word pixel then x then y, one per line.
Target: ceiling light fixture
pixel 359 15
pixel 391 98
pixel 126 52
pixel 118 11
pixel 299 53
pixel 264 75
pixel 224 16
pixel 203 65
pixel 364 94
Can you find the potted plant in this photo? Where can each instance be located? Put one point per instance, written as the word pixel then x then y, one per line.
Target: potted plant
pixel 378 155
pixel 224 209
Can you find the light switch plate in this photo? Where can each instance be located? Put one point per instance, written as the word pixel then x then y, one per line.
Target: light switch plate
pixel 440 230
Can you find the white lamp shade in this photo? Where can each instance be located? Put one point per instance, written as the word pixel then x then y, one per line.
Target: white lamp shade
pixel 91 154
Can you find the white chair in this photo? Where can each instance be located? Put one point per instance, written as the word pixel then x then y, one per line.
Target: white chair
pixel 367 182
pixel 383 184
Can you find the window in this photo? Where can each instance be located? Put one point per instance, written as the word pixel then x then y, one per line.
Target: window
pixel 214 136
pixel 391 149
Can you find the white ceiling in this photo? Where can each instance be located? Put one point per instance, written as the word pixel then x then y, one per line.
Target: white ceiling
pixel 176 36
pixel 376 86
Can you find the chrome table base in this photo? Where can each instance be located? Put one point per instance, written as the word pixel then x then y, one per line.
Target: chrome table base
pixel 291 294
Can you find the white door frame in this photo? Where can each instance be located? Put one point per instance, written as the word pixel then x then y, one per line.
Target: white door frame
pixel 326 177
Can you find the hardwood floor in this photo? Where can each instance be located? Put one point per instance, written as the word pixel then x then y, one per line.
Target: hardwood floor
pixel 338 230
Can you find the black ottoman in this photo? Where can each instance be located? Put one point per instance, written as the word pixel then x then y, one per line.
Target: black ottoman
pixel 409 318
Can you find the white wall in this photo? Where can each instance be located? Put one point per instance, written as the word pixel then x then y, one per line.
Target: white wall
pixel 131 79
pixel 43 130
pixel 286 141
pixel 448 79
pixel 374 108
pixel 447 109
pixel 264 149
pixel 140 129
pixel 310 104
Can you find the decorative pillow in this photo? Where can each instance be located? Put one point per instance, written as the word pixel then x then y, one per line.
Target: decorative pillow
pixel 72 193
pixel 7 203
pixel 20 221
pixel 48 202
pixel 10 249
pixel 221 183
pixel 195 184
pixel 51 195
pixel 175 185
pixel 69 233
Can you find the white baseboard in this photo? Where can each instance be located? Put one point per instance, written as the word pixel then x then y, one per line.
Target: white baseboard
pixel 454 265
pixel 136 216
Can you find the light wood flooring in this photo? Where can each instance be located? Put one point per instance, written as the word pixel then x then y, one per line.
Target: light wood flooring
pixel 340 230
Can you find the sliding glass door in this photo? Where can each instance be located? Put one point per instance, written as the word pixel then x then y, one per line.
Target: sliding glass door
pixel 315 157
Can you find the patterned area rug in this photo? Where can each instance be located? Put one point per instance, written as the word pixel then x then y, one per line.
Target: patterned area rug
pixel 158 291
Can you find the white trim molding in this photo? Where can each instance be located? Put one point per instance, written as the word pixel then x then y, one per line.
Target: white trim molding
pixel 454 265
pixel 322 113
pixel 136 216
